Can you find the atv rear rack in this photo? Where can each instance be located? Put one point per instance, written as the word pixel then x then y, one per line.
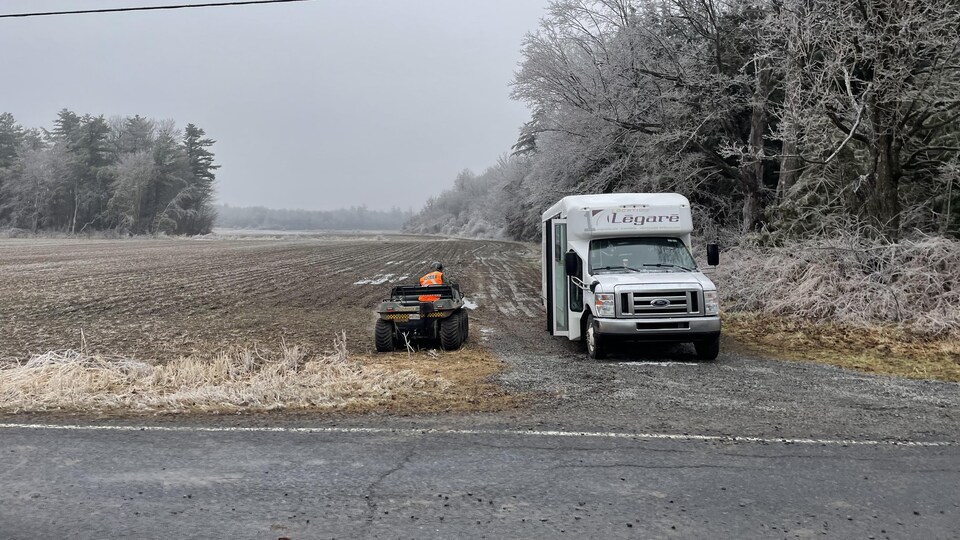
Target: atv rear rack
pixel 410 294
pixel 403 317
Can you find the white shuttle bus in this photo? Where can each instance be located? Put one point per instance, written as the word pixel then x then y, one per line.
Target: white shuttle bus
pixel 619 266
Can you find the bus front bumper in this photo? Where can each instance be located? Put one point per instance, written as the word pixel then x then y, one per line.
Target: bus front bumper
pixel 665 329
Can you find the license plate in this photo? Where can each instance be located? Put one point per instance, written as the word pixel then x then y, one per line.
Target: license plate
pixel 414 316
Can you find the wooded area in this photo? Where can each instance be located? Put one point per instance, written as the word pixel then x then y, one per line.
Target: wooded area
pixel 130 175
pixel 778 119
pixel 356 218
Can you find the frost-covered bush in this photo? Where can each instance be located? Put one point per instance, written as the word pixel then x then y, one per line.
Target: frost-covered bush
pixel 476 206
pixel 915 284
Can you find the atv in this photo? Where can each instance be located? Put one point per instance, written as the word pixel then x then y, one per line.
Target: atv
pixel 403 318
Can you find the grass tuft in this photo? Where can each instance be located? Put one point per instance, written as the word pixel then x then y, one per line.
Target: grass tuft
pixel 250 380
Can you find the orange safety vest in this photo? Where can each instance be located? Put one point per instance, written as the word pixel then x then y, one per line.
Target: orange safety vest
pixel 433 278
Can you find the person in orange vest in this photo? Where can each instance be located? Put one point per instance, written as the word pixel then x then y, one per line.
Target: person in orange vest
pixel 432 278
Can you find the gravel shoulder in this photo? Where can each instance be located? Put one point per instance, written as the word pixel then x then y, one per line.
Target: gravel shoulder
pixel 663 388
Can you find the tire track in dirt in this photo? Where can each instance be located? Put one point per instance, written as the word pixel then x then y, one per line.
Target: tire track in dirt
pixel 160 299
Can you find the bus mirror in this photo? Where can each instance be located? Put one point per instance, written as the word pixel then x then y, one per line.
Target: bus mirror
pixel 713 254
pixel 571 263
pixel 593 286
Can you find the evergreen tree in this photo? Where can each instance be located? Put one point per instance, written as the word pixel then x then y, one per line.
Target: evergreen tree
pixel 65 125
pixel 138 134
pixel 130 174
pixel 11 136
pixel 198 212
pixel 170 189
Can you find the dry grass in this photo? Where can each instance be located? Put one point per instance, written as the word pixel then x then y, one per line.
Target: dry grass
pixel 876 307
pixel 883 350
pixel 245 380
pixel 912 285
pixel 470 372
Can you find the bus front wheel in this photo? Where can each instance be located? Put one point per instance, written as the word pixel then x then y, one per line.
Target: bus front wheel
pixel 596 348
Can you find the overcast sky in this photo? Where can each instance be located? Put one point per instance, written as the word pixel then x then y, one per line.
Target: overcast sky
pixel 316 105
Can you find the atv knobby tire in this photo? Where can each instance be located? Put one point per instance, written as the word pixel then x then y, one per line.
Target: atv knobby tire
pixel 464 326
pixel 451 333
pixel 383 336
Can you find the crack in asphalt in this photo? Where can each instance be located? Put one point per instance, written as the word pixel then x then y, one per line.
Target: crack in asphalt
pixel 369 494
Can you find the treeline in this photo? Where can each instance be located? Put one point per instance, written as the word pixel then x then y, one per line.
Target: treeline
pixel 777 118
pixel 354 218
pixel 131 175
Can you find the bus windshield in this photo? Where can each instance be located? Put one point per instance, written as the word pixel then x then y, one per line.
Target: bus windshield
pixel 641 254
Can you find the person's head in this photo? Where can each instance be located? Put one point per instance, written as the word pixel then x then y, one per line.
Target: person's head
pixel 437 266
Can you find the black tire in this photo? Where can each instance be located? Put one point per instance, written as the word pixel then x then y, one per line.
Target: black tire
pixel 383 336
pixel 596 348
pixel 708 349
pixel 450 334
pixel 464 326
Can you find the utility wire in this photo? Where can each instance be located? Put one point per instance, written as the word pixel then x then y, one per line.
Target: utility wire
pixel 147 8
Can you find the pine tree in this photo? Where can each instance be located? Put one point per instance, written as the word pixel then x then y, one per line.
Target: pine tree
pixel 198 212
pixel 11 136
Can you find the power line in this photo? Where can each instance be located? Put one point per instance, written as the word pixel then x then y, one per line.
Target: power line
pixel 147 8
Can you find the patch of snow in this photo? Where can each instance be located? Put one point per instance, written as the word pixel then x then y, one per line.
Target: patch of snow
pixel 468 304
pixel 379 279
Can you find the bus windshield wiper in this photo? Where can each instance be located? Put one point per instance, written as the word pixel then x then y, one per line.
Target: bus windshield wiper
pixel 617 268
pixel 667 265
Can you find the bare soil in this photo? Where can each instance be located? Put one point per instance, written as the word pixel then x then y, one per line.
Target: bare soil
pixel 156 300
pixel 164 299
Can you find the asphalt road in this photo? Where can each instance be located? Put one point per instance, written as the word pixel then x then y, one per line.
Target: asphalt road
pixel 186 483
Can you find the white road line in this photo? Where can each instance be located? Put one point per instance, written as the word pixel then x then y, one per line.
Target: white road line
pixel 510 432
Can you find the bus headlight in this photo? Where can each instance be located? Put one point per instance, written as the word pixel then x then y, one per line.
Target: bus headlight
pixel 604 305
pixel 711 303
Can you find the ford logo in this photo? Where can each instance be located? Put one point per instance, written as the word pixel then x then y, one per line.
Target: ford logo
pixel 660 302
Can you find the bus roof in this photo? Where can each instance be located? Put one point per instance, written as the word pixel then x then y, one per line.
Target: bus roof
pixel 612 200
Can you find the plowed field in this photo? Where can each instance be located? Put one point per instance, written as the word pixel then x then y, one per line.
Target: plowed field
pixel 157 300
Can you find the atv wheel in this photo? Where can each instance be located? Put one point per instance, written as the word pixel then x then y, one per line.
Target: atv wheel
pixel 464 326
pixel 451 336
pixel 383 336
